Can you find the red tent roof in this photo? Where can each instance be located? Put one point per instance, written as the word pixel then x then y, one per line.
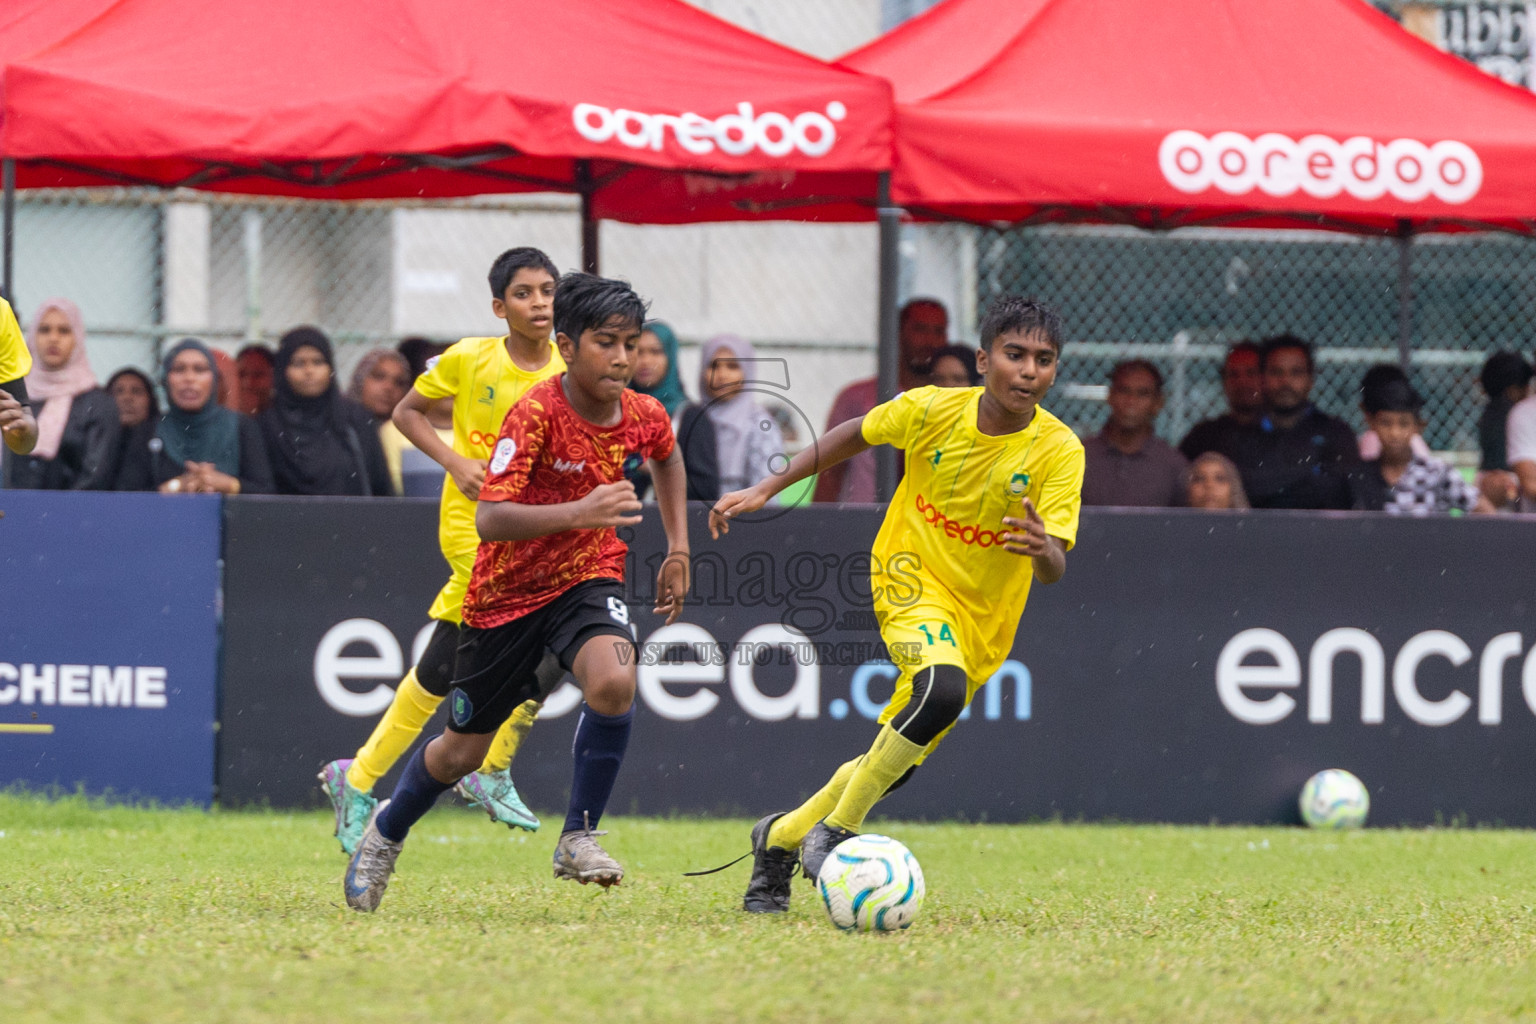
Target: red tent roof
pixel 1303 113
pixel 388 98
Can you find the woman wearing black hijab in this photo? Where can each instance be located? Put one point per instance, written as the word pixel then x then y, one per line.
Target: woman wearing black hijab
pixel 319 441
pixel 197 446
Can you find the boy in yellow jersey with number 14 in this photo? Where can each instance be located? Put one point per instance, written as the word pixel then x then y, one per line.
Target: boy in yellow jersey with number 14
pixel 485 377
pixel 988 503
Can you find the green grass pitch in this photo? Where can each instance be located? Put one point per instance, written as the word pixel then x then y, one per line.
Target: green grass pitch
pixel 127 915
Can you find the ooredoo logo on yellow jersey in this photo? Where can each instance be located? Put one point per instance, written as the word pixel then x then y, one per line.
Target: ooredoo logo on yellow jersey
pixel 968 534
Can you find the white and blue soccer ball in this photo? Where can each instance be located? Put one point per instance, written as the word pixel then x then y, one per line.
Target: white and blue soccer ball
pixel 1334 798
pixel 871 883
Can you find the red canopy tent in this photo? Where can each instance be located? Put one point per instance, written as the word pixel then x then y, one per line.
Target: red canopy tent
pixel 1307 113
pixel 652 110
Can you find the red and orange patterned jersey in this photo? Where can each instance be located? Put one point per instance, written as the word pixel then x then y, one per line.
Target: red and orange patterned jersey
pixel 546 454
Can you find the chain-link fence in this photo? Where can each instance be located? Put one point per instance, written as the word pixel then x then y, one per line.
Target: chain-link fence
pixel 1181 298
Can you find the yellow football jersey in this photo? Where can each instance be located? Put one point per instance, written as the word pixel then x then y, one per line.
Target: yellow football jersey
pixel 485 383
pixel 941 544
pixel 15 359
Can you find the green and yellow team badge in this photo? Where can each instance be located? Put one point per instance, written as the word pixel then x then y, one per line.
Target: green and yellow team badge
pixel 1018 484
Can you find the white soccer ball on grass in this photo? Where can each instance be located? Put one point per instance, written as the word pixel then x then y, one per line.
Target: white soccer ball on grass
pixel 1334 798
pixel 871 883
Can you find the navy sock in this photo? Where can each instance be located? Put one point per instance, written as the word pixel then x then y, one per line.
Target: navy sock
pixel 413 797
pixel 597 752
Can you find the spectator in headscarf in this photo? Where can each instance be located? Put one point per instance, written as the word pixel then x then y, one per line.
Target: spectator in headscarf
pixel 381 379
pixel 656 375
pixel 198 446
pixel 134 394
pixel 78 428
pixel 748 444
pixel 254 363
pixel 319 441
pixel 1506 379
pixel 1213 482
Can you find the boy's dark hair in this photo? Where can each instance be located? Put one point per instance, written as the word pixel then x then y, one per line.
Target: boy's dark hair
pixel 1283 341
pixel 584 302
pixel 967 357
pixel 418 351
pixel 1502 371
pixel 510 262
pixel 1385 388
pixel 1137 364
pixel 1010 314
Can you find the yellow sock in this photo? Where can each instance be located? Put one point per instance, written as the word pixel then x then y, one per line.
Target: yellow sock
pixel 510 736
pixel 787 832
pixel 890 756
pixel 393 736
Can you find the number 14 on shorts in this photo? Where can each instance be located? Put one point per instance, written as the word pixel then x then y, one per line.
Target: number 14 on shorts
pixel 945 634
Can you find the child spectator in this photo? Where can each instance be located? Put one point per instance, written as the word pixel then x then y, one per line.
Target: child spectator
pixel 1376 377
pixel 748 443
pixel 319 442
pixel 254 366
pixel 198 446
pixel 381 379
pixel 1128 464
pixel 78 427
pixel 656 375
pixel 1400 481
pixel 1214 483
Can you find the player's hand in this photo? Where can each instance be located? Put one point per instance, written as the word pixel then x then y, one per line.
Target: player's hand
pixel 1026 536
pixel 672 585
pixel 614 504
pixel 469 476
pixel 13 415
pixel 733 506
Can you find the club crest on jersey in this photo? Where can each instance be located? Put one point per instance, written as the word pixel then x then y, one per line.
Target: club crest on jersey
pixel 562 466
pixel 1018 484
pixel 632 463
pixel 489 397
pixel 938 453
pixel 505 449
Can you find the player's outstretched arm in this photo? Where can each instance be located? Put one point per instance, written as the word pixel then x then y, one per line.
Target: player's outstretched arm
pixel 410 417
pixel 837 445
pixel 17 424
pixel 606 505
pixel 672 497
pixel 1028 537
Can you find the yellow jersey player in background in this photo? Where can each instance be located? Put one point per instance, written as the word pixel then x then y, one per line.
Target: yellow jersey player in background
pixel 485 377
pixel 989 502
pixel 17 423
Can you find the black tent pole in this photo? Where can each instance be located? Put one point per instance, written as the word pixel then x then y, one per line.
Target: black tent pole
pixel 8 173
pixel 589 253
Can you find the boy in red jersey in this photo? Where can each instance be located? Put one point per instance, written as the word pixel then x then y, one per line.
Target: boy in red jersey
pixel 548 576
